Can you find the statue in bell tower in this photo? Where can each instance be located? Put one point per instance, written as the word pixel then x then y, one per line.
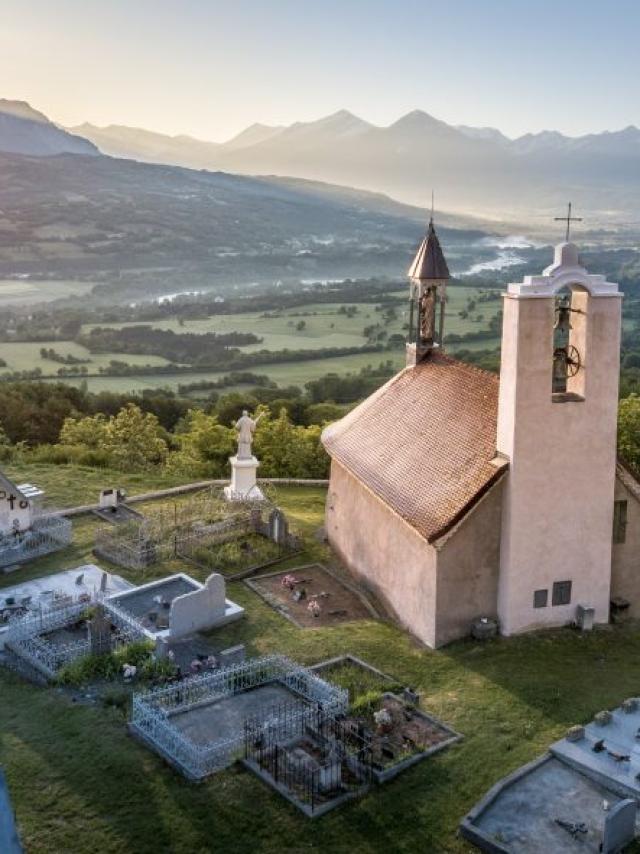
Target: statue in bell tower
pixel 428 276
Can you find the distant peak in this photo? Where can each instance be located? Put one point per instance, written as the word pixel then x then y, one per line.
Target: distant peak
pixel 418 118
pixel 21 110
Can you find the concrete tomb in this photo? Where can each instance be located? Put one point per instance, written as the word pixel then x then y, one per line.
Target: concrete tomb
pixel 177 606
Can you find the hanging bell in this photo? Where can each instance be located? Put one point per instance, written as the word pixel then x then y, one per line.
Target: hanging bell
pixel 563 319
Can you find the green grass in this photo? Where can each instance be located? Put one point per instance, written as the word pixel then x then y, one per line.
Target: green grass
pixel 25 356
pixel 79 783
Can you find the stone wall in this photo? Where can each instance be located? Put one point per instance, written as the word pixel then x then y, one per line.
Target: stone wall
pixel 625 562
pixel 468 568
pixel 386 555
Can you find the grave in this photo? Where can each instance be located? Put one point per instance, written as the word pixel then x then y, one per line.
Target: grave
pixel 537 808
pixel 545 806
pixel 293 593
pixel 205 529
pixel 32 596
pixel 316 761
pixel 199 724
pixel 176 606
pixel 27 530
pixel 607 749
pixel 113 509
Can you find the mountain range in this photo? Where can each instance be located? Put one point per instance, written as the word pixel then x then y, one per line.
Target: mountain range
pixel 144 229
pixel 477 171
pixel 24 130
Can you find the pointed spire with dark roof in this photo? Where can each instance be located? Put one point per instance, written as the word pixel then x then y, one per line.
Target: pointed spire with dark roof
pixel 429 263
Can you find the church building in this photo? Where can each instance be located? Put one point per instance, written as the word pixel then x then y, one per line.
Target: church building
pixel 457 494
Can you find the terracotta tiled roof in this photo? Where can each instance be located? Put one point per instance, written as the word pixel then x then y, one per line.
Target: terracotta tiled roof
pixel 424 443
pixel 429 262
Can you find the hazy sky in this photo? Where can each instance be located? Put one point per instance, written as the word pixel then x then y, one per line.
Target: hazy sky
pixel 209 68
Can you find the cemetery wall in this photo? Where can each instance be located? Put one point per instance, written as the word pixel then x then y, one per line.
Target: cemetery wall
pixel 384 552
pixel 468 568
pixel 625 563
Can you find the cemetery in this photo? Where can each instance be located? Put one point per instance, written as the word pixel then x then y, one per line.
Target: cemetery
pixel 77 616
pixel 198 724
pixel 312 596
pixel 27 529
pixel 32 598
pixel 207 530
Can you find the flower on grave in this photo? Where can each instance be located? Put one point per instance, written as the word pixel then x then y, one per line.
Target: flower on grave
pixel 314 607
pixel 383 719
pixel 289 581
pixel 129 671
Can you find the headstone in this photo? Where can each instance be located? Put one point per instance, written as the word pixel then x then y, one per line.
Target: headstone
pixel 200 609
pixel 619 827
pixel 100 638
pixel 278 527
pixel 411 697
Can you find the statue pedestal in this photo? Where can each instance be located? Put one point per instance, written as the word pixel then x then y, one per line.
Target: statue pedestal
pixel 243 486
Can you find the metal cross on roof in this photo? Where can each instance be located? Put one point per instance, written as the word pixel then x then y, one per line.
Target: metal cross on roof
pixel 568 219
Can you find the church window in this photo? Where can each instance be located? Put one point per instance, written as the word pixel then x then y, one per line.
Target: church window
pixel 540 598
pixel 561 593
pixel 619 521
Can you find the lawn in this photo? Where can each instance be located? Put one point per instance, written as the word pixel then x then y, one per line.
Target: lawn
pixel 79 783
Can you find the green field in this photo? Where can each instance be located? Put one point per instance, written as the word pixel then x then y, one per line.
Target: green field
pixel 286 373
pixel 25 356
pixel 324 326
pixel 79 783
pixel 26 292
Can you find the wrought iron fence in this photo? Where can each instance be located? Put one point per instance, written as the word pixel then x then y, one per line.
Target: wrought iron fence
pixel 153 709
pixel 47 534
pixel 315 756
pixel 27 635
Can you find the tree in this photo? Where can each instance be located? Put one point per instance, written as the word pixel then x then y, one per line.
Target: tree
pixel 135 439
pixel 89 432
pixel 629 429
pixel 286 450
pixel 205 446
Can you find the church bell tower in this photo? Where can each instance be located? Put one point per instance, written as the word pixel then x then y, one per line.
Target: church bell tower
pixel 557 417
pixel 428 277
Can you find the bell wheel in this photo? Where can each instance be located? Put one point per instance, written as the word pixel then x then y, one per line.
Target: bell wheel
pixel 569 357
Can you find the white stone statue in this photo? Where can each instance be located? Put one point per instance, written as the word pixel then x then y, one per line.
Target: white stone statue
pixel 246 427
